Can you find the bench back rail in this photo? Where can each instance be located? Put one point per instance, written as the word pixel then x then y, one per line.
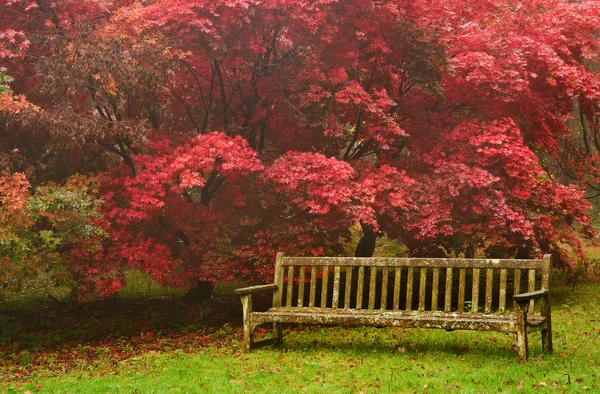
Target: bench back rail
pixel 422 284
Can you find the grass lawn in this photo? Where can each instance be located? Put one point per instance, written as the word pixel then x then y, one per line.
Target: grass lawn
pixel 331 360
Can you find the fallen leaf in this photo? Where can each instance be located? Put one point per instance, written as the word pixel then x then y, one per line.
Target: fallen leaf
pixel 520 384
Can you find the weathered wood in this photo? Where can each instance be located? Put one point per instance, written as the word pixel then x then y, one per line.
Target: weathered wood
pixel 336 287
pixel 376 317
pixel 448 291
pixel 435 287
pixel 546 304
pixel 531 288
pixel 348 292
pixel 255 289
pixel 397 281
pixel 546 271
pixel 409 288
pixel 547 331
pixel 502 291
pixel 475 291
pixel 422 283
pixel 324 285
pixel 531 295
pixel 246 316
pixel 462 279
pixel 489 283
pixel 313 286
pixel 518 322
pixel 414 262
pixel 521 325
pixel 372 288
pixel 278 293
pixel 360 287
pixel 517 282
pixel 384 289
pixel 290 286
pixel 301 285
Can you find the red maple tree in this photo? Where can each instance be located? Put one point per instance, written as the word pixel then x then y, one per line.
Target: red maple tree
pixel 227 130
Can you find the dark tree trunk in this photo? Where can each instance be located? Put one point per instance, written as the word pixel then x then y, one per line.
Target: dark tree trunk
pixel 470 252
pixel 202 292
pixel 366 244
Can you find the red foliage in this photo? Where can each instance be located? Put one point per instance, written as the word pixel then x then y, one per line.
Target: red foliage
pixel 226 130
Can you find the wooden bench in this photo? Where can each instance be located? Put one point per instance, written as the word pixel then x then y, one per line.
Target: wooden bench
pixel 446 293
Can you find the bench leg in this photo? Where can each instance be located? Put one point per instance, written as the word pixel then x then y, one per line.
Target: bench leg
pixel 547 332
pixel 522 348
pixel 248 329
pixel 547 340
pixel 278 331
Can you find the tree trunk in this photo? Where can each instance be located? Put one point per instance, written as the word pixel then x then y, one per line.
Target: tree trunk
pixel 366 244
pixel 202 292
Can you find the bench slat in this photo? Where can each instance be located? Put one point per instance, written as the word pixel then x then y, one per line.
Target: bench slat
pixel 422 283
pixel 435 288
pixel 517 284
pixel 301 283
pixel 448 290
pixel 278 280
pixel 336 287
pixel 414 262
pixel 359 291
pixel 530 288
pixel 397 279
pixel 290 286
pixel 502 292
pixel 313 286
pixel 372 284
pixel 325 285
pixel 409 288
pixel 475 292
pixel 348 287
pixel 384 289
pixel 489 283
pixel 462 279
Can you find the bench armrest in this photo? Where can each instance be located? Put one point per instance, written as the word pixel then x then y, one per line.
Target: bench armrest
pixel 533 295
pixel 255 289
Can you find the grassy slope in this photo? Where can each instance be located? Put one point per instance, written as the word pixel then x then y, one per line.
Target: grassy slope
pixel 338 360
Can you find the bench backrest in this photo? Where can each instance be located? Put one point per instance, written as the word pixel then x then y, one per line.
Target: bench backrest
pixel 432 284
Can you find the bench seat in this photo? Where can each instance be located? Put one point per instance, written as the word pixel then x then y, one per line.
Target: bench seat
pixel 410 319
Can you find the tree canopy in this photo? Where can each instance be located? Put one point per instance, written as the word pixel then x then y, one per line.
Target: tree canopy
pixel 219 132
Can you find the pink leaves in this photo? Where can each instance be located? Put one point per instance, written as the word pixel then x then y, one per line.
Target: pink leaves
pixel 230 157
pixel 188 166
pixel 312 181
pixel 321 185
pixel 353 94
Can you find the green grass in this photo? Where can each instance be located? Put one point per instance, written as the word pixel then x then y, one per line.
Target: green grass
pixel 340 360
